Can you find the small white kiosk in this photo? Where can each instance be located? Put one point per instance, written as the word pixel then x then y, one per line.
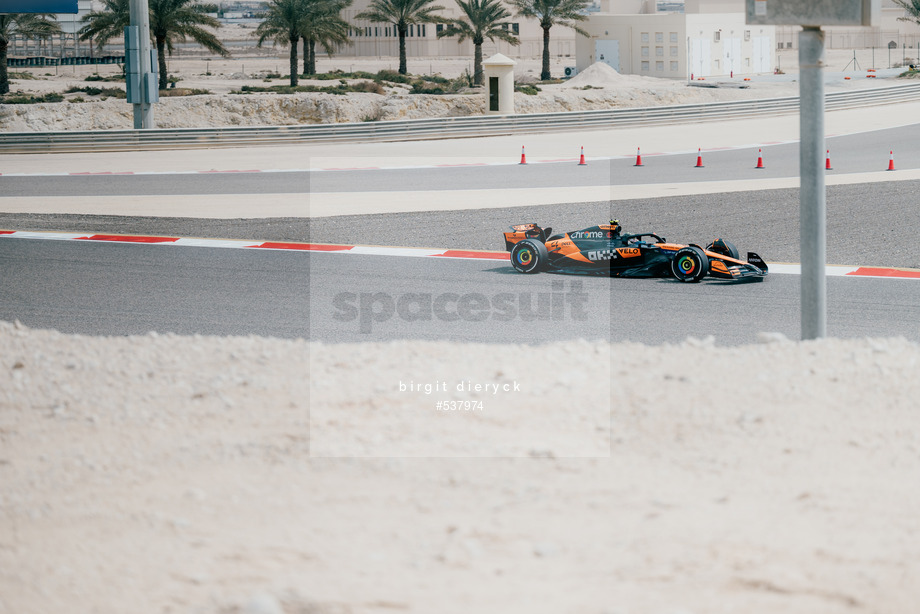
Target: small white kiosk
pixel 499 74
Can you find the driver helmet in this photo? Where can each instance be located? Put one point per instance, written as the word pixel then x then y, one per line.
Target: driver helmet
pixel 615 227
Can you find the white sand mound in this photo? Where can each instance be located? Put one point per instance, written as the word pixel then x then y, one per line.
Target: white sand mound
pixel 598 74
pixel 164 473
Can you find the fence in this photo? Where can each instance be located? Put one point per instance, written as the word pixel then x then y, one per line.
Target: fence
pixel 787 37
pixel 44 60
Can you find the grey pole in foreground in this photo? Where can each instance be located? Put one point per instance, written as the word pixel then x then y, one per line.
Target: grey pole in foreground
pixel 140 17
pixel 812 196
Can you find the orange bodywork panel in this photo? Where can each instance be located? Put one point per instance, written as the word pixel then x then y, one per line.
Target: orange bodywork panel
pixel 566 247
pixel 671 246
pixel 713 255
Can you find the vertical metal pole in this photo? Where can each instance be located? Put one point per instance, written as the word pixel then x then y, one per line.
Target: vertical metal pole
pixel 140 17
pixel 812 205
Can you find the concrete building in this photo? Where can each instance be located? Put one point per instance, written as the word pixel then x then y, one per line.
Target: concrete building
pixel 710 38
pixel 649 37
pixel 380 40
pixel 889 32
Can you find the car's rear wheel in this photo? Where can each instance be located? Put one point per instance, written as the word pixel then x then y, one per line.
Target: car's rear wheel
pixel 690 264
pixel 723 247
pixel 529 256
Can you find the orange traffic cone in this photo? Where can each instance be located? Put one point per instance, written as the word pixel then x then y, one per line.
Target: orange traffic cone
pixel 523 157
pixel 827 162
pixel 581 161
pixel 699 159
pixel 638 157
pixel 891 160
pixel 759 159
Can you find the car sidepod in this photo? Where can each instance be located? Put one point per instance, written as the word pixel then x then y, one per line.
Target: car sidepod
pixel 582 251
pixel 639 261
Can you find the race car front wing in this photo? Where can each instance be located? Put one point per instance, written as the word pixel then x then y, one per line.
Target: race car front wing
pixel 754 269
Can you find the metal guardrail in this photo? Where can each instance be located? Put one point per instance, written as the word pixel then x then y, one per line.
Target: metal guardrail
pixel 437 128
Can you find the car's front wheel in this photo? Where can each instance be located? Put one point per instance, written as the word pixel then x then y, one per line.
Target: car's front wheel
pixel 690 264
pixel 529 256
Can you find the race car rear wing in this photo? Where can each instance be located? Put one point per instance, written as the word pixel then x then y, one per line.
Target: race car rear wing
pixel 525 231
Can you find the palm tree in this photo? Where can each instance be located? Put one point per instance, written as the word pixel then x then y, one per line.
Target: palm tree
pixel 30 25
pixel 402 14
pixel 551 13
pixel 282 25
pixel 106 24
pixel 913 10
pixel 322 24
pixel 170 21
pixel 483 20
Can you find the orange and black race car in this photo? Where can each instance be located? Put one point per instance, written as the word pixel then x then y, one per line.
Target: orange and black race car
pixel 603 249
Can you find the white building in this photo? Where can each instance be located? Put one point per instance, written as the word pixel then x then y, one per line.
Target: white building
pixel 710 38
pixel 889 32
pixel 379 39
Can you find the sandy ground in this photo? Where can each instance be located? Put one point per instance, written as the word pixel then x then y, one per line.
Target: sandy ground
pixel 228 74
pixel 232 73
pixel 249 475
pixel 597 87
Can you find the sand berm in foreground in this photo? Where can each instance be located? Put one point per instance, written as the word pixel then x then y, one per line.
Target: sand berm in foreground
pixel 228 475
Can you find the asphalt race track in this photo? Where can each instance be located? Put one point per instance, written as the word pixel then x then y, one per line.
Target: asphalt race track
pixel 106 289
pixel 865 223
pixel 854 153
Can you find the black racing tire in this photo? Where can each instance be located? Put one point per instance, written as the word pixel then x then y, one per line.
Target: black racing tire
pixel 723 247
pixel 529 256
pixel 690 264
